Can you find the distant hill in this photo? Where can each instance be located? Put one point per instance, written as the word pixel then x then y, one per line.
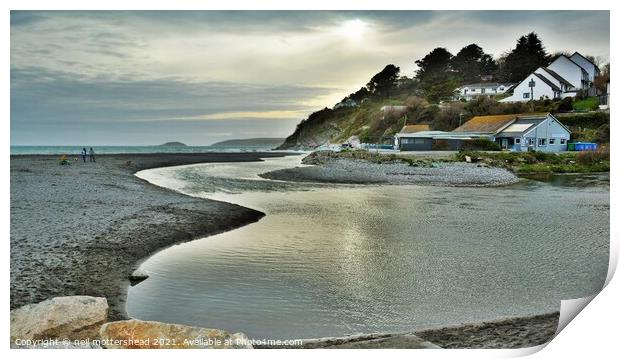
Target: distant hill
pixel 251 142
pixel 173 144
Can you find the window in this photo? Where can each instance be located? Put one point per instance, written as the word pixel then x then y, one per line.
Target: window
pixel 526 95
pixel 562 141
pixel 542 141
pixel 552 141
pixel 530 141
pixel 473 90
pixel 501 89
pixel 419 140
pixel 517 141
pixel 482 90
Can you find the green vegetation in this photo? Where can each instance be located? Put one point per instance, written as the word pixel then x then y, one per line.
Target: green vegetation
pixel 542 162
pixel 587 104
pixel 480 144
pixel 428 98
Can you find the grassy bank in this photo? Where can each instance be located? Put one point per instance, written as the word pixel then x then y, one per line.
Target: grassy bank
pixel 541 162
pixel 516 162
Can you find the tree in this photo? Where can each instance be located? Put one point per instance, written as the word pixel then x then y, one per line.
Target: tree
pixel 471 63
pixel 527 56
pixel 382 83
pixel 437 80
pixel 358 95
pixel 601 81
pixel 434 63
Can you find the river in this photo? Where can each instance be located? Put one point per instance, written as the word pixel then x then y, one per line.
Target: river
pixel 342 259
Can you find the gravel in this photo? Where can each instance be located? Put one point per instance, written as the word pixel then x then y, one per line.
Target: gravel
pixel 339 170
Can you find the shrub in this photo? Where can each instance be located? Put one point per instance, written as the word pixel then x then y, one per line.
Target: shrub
pixel 480 144
pixel 566 105
pixel 592 157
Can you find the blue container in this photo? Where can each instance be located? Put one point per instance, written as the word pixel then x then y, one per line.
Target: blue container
pixel 585 146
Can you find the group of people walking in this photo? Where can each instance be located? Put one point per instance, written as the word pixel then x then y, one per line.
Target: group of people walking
pixel 90 154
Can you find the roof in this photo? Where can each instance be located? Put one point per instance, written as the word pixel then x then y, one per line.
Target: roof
pixel 585 58
pixel 557 76
pixel 571 60
pixel 443 135
pixel 546 80
pixel 486 84
pixel 415 128
pixel 493 123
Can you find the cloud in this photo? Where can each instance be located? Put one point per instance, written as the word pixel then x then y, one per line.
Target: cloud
pixel 79 71
pixel 243 115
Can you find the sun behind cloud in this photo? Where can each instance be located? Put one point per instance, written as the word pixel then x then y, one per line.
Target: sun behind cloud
pixel 353 29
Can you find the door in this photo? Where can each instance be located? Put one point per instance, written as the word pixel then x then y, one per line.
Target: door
pixel 504 143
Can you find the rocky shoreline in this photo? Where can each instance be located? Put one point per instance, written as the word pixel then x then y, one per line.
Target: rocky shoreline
pixel 363 168
pixel 80 322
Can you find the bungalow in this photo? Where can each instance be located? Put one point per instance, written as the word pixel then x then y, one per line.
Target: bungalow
pixel 516 132
pixel 471 91
pixel 403 141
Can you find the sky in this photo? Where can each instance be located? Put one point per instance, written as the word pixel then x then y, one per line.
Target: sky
pixel 149 77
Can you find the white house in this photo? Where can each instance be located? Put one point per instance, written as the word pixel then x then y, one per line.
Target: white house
pixel 572 72
pixel 536 86
pixel 471 91
pixel 564 77
pixel 346 104
pixel 589 66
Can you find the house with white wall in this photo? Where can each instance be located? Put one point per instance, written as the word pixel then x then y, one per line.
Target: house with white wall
pixel 572 72
pixel 471 91
pixel 589 66
pixel 564 77
pixel 537 87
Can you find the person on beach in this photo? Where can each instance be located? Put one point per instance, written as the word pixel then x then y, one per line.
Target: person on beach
pixel 84 154
pixel 91 154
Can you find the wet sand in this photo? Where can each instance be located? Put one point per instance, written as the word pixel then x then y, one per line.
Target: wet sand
pixel 82 229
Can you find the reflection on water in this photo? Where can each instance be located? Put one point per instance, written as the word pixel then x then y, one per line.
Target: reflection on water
pixel 357 259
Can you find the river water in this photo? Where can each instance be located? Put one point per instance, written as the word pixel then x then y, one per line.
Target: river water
pixel 336 260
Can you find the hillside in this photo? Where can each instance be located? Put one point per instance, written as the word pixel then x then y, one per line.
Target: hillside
pixel 251 142
pixel 389 101
pixel 371 124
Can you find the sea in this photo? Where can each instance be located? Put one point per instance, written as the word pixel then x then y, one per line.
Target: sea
pixel 69 150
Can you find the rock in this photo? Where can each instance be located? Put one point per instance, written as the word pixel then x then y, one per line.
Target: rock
pixel 467 159
pixel 138 334
pixel 58 344
pixel 138 276
pixel 77 317
pixel 361 341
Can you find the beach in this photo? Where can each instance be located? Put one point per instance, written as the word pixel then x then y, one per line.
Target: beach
pixel 82 229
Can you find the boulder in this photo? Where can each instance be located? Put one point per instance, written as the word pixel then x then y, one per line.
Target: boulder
pixel 138 276
pixel 138 334
pixel 77 317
